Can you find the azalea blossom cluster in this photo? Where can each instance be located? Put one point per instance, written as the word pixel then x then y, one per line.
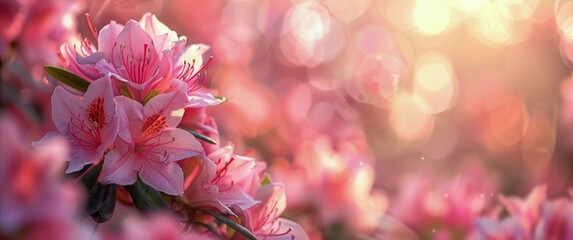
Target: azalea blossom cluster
pixel 397 120
pixel 138 124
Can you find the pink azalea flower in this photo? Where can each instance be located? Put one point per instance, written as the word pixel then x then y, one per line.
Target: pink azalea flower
pixel 236 177
pixel 450 206
pixel 529 209
pixel 149 144
pixel 89 123
pixel 263 218
pixel 144 58
pixel 222 181
pixel 199 190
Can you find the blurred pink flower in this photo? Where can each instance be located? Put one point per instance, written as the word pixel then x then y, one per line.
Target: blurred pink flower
pixel 155 227
pixel 90 123
pixel 37 28
pixel 509 228
pixel 337 182
pixel 528 210
pixel 429 205
pixel 35 202
pixel 556 220
pixel 149 144
pixel 533 218
pixel 122 10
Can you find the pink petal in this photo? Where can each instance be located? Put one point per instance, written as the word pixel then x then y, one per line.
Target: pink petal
pixel 64 106
pixel 155 28
pixel 199 99
pixel 130 116
pixel 180 145
pixel 102 88
pixel 273 203
pixel 53 145
pixel 165 177
pixel 107 37
pixel 92 59
pixel 199 190
pixel 133 38
pixel 192 52
pixel 286 229
pixel 124 128
pixel 236 197
pixel 80 158
pixel 119 167
pixel 171 104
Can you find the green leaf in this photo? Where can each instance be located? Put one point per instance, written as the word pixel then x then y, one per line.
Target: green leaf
pixel 266 180
pixel 149 96
pixel 208 227
pixel 124 91
pixel 232 224
pixel 101 202
pixel 145 198
pixel 68 78
pixel 199 135
pixel 224 99
pixel 90 177
pixel 101 198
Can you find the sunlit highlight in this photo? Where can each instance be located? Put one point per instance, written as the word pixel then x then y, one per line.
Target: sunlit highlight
pixel 304 27
pixel 491 26
pixel 347 10
pixel 431 17
pixel 467 6
pixel 518 9
pixel 564 18
pixel 409 118
pixel 434 82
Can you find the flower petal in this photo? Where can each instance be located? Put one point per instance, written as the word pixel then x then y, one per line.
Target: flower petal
pixel 199 99
pixel 165 177
pixel 164 36
pixel 101 89
pixel 65 106
pixel 107 37
pixel 119 167
pixel 179 145
pixel 170 104
pixel 236 197
pixel 130 116
pixel 285 229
